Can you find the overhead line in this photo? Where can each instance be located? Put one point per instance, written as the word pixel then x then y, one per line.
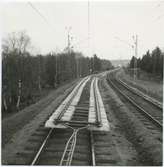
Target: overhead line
pixel 39 13
pixel 42 16
pixel 88 19
pixel 89 28
pixel 124 41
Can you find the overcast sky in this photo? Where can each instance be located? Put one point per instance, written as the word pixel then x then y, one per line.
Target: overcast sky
pixel 109 20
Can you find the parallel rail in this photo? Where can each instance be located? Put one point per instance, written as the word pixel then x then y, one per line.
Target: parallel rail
pixel 142 110
pixel 156 104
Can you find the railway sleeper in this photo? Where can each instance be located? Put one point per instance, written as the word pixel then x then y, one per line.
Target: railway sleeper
pixel 106 159
pixel 82 108
pixel 80 163
pixel 81 157
pixel 32 146
pixel 84 114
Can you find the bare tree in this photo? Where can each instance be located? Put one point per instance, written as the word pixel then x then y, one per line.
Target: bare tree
pixel 9 43
pixel 18 43
pixel 23 42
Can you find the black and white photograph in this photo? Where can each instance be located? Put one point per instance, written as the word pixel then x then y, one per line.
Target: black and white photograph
pixel 82 82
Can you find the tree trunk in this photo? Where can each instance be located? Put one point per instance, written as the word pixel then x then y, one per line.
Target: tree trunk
pixel 39 85
pixel 19 94
pixel 4 103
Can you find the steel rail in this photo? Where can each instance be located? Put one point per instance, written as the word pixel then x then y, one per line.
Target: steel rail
pixel 50 131
pixel 41 148
pixel 150 117
pixel 71 143
pixel 73 136
pixel 133 91
pixel 92 149
pixel 97 106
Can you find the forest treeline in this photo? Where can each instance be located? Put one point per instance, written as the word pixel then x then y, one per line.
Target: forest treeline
pixel 150 62
pixel 23 73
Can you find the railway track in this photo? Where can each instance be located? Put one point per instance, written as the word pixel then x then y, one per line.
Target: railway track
pixel 78 136
pixel 67 139
pixel 67 142
pixel 146 108
pixel 150 100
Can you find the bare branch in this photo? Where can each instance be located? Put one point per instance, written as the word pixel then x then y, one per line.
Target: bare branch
pixel 16 42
